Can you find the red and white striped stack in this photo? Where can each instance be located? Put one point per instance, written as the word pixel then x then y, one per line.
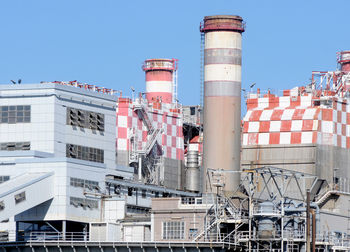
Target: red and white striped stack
pixel 129 124
pixel 159 79
pixel 300 119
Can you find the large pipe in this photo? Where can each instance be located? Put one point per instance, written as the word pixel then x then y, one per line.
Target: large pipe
pixel 159 79
pixel 222 98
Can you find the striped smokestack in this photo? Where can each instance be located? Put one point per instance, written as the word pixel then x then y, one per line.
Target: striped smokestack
pixel 222 98
pixel 159 79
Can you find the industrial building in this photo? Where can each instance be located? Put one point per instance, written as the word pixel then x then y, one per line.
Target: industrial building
pixel 85 168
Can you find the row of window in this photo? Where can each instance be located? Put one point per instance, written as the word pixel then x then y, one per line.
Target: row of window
pixel 173 230
pixel 13 146
pixel 15 114
pixel 85 119
pixel 84 183
pixel 84 203
pixel 84 153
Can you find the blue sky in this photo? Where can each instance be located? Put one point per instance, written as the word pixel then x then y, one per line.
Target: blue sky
pixel 105 42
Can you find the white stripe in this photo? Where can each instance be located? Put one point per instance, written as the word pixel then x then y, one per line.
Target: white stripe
pixel 245 139
pixel 306 137
pixel 305 101
pixel 275 126
pixel 264 138
pixel 266 115
pixel 348 130
pixel 338 129
pixel 222 72
pixel 296 125
pixel 121 144
pixel 287 114
pixel 263 102
pixel 327 127
pixel 284 101
pixel 335 116
pixel 253 127
pixel 223 39
pixel 343 117
pixel 285 137
pixel 158 86
pixel 309 114
pixel 343 141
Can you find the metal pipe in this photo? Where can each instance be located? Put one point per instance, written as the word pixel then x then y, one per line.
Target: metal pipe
pixel 307 220
pixel 222 98
pixel 313 212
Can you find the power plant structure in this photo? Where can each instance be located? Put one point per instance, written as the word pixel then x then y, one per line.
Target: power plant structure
pixel 84 168
pixel 222 98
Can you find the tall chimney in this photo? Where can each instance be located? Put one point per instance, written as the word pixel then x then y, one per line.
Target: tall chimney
pixel 159 79
pixel 222 98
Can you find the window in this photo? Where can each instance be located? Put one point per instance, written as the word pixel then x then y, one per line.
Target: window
pixel 143 193
pixel 192 233
pixel 156 194
pixel 2 205
pixel 173 230
pixel 15 114
pixel 84 183
pixel 84 203
pixel 193 110
pixel 129 191
pixel 4 178
pixel 85 119
pixel 84 153
pixel 12 146
pixel 20 197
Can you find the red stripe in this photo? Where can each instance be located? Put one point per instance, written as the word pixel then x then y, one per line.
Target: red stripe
pixel 298 114
pixel 264 126
pixel 122 133
pixel 159 76
pixel 276 115
pixel 295 138
pixel 274 138
pixel 286 126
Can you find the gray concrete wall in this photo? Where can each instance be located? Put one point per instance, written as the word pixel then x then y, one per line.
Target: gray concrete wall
pixel 172 173
pixel 319 160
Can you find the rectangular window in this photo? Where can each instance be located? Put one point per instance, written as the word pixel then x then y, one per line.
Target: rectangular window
pixel 15 114
pixel 4 179
pixel 84 183
pixel 192 233
pixel 13 146
pixel 84 153
pixel 173 230
pixel 20 197
pixel 130 191
pixel 85 119
pixel 84 203
pixel 143 193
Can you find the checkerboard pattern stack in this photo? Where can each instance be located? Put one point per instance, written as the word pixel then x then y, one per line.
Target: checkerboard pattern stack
pixel 129 124
pixel 297 119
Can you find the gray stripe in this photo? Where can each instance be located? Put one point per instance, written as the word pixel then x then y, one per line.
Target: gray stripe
pixel 222 88
pixel 223 56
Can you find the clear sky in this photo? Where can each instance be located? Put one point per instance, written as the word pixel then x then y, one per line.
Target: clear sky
pixel 104 42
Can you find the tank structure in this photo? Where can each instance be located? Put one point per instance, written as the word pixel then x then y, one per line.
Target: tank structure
pixel 160 80
pixel 222 98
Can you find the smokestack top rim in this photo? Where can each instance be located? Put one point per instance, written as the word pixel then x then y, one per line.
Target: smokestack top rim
pixel 222 23
pixel 234 17
pixel 159 64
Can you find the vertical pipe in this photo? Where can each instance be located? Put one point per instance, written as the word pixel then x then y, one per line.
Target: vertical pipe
pixel 222 98
pixel 313 230
pixel 308 220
